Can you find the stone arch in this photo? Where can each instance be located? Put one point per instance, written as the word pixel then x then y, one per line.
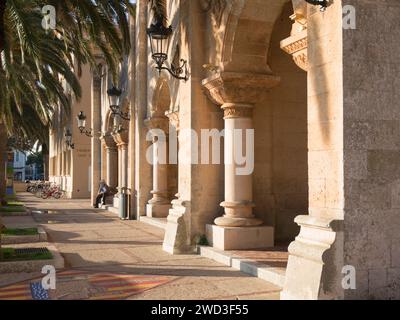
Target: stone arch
pixel 248 28
pixel 165 175
pixel 250 50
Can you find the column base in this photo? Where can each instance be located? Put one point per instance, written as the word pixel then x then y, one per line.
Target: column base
pixel 237 222
pixel 238 238
pixel 176 238
pixel 154 210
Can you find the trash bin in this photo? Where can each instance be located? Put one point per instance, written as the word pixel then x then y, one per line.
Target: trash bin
pixel 123 204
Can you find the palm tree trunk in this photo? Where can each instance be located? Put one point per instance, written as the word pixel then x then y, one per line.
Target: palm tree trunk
pixel 2 10
pixel 3 157
pixel 45 153
pixel 3 153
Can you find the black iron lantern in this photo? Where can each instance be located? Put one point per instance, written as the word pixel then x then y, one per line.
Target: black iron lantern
pixel 82 124
pixel 322 3
pixel 114 97
pixel 68 139
pixel 159 36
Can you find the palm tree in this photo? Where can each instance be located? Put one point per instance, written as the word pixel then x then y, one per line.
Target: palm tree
pixel 36 65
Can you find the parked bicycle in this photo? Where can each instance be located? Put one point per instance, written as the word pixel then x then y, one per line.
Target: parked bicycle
pixel 53 191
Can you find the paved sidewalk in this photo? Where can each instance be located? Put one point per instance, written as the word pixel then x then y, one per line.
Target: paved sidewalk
pixel 107 258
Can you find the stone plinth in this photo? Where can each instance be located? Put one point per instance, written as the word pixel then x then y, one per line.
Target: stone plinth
pixel 176 237
pixel 240 238
pixel 154 210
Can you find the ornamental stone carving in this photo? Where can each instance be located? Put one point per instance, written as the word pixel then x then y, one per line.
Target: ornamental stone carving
pixel 237 88
pixel 296 46
pixel 173 117
pixel 160 123
pixel 232 111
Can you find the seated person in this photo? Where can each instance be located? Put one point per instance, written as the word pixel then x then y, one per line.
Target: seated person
pixel 103 192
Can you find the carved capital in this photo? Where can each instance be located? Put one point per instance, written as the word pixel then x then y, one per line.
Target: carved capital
pixel 108 140
pixel 237 88
pixel 234 110
pixel 157 123
pixel 121 137
pixel 173 117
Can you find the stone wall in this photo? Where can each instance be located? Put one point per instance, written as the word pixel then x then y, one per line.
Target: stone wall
pixel 371 113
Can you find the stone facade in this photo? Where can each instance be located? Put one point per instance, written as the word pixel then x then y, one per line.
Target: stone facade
pixel 322 101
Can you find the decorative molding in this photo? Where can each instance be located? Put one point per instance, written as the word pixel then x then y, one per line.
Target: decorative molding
pixel 297 46
pixel 238 88
pixel 173 117
pixel 232 111
pixel 157 123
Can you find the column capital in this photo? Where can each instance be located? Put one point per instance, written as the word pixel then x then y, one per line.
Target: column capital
pixel 237 88
pixel 157 122
pixel 173 117
pixel 108 140
pixel 237 110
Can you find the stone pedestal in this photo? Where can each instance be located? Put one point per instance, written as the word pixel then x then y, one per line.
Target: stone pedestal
pixel 240 238
pixel 176 238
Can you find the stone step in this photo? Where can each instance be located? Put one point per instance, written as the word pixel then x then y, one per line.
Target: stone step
pixel 111 209
pixel 272 274
pixel 156 222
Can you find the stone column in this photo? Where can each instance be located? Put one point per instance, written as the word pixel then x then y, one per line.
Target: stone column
pixel 238 93
pixel 159 205
pixel 142 167
pixel 238 202
pixel 111 160
pixel 112 174
pixel 96 142
pixel 119 169
pixel 124 165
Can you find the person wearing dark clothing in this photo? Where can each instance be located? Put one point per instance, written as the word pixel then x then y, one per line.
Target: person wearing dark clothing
pixel 102 194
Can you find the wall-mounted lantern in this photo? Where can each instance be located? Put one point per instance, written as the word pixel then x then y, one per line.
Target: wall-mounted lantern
pixel 159 36
pixel 68 139
pixel 322 3
pixel 82 125
pixel 114 97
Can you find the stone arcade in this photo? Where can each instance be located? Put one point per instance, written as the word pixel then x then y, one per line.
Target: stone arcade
pixel 323 101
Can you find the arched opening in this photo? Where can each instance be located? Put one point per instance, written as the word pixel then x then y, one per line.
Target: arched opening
pixel 281 172
pixel 260 87
pixel 111 155
pixel 164 173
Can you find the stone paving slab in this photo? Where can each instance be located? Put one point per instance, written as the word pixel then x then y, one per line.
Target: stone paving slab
pixel 97 242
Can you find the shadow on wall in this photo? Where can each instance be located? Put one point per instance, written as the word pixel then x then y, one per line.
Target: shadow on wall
pixel 281 168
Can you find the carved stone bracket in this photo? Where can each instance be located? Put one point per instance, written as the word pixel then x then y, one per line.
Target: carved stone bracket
pixel 296 46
